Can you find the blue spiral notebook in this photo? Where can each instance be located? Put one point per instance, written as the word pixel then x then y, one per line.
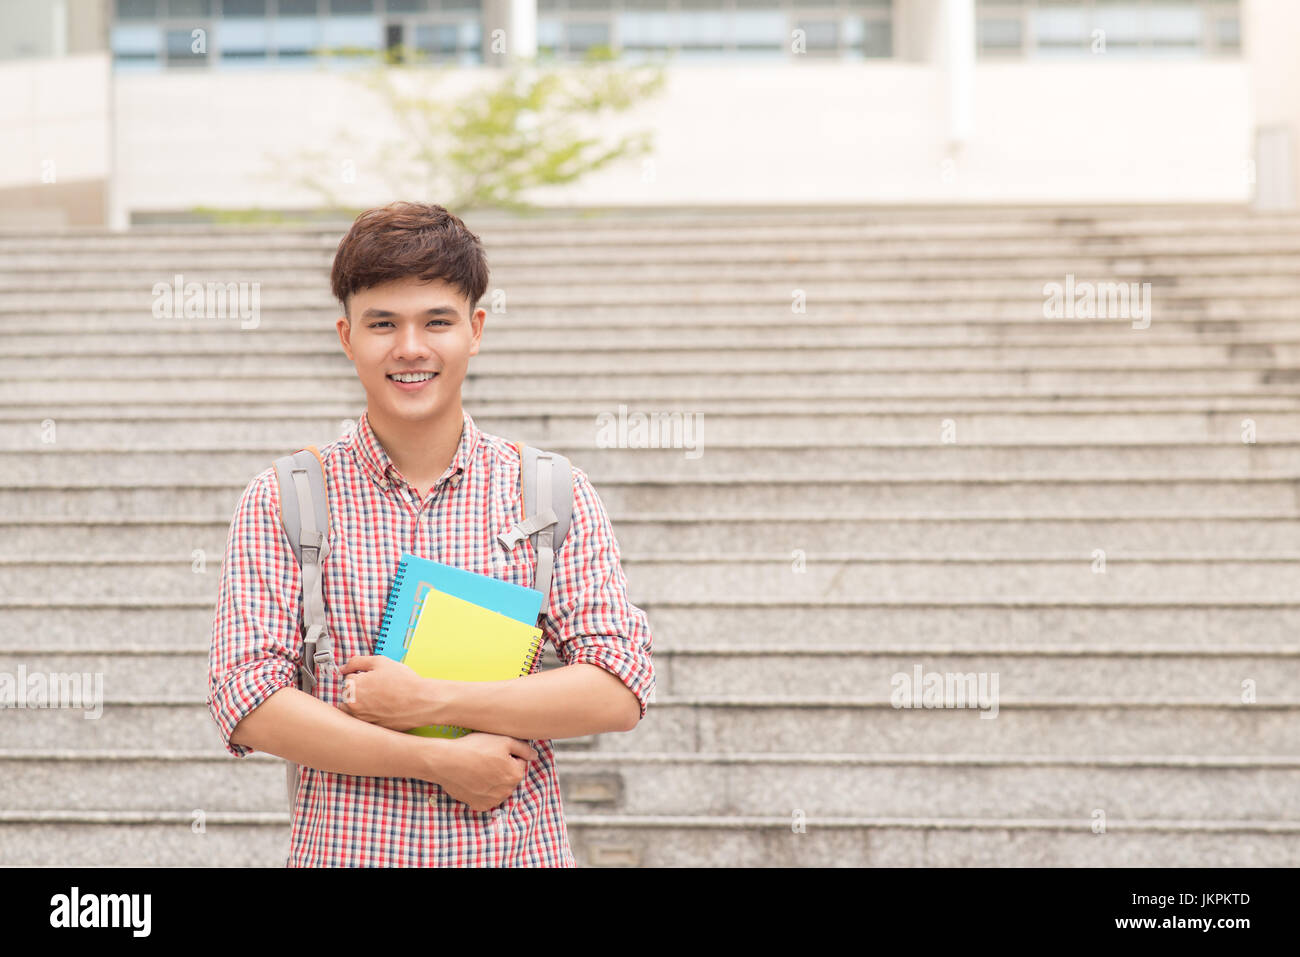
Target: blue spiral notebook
pixel 416 576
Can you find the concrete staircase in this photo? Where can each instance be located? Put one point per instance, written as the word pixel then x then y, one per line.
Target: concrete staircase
pixel 917 470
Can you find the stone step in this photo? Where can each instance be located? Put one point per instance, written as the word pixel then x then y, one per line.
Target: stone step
pixel 287 345
pixel 655 283
pixel 793 576
pixel 739 224
pixel 1152 724
pixel 521 331
pixel 1007 495
pixel 636 416
pixel 239 465
pixel 612 840
pixel 737 668
pixel 1260 317
pixel 971 788
pixel 728 393
pixel 156 839
pixel 740 234
pixel 775 293
pixel 296 392
pixel 653 230
pixel 647 533
pixel 837 422
pixel 304 267
pixel 176 358
pixel 172 624
pixel 563 313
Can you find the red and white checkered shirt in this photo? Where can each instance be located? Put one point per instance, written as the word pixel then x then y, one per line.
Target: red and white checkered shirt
pixel 375 515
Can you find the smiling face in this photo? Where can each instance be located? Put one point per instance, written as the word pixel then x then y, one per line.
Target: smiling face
pixel 411 326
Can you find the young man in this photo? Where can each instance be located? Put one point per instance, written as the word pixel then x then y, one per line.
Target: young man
pixel 417 475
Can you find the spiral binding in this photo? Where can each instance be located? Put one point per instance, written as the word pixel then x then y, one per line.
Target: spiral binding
pixel 391 608
pixel 530 660
pixel 534 647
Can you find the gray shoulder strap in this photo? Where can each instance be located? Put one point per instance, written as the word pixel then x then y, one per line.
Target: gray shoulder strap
pixel 304 511
pixel 547 486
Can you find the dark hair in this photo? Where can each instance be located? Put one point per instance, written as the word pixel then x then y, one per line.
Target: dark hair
pixel 409 239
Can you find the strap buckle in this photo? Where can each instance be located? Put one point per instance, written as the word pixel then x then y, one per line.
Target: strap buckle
pixel 318 649
pixel 313 546
pixel 521 530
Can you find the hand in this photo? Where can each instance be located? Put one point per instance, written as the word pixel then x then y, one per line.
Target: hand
pixel 388 693
pixel 485 768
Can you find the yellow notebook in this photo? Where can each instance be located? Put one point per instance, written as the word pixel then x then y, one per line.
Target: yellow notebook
pixel 462 641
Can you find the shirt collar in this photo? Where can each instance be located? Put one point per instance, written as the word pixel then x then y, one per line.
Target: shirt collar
pixel 374 458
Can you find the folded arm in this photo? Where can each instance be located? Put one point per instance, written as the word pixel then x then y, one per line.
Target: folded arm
pixel 602 638
pixel 253 662
pixel 299 727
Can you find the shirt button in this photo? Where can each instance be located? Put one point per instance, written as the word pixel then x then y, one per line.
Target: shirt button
pixel 433 800
pixel 455 480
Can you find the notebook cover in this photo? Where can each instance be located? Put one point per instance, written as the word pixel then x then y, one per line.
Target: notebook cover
pixel 458 640
pixel 417 576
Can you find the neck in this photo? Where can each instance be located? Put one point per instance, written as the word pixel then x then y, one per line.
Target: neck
pixel 420 449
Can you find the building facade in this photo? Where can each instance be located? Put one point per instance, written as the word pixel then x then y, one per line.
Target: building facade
pixel 136 110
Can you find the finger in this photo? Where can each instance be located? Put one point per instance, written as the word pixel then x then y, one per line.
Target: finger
pixel 521 749
pixel 360 663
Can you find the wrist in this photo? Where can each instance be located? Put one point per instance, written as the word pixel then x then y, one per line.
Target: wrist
pixel 437 706
pixel 452 702
pixel 430 758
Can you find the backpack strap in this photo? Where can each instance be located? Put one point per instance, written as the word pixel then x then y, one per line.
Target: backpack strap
pixel 304 513
pixel 546 484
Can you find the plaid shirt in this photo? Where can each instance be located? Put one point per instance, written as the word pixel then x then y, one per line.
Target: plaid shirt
pixel 375 515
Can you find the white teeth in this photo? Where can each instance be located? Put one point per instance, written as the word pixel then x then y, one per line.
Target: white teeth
pixel 413 377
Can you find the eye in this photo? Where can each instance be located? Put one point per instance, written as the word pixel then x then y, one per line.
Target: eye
pixel 385 322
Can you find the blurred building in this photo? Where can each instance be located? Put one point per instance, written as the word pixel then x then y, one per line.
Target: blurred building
pixel 147 110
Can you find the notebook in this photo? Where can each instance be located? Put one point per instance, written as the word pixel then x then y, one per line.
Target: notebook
pixel 417 576
pixel 462 641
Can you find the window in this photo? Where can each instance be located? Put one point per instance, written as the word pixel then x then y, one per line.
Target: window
pixel 187 48
pixel 263 34
pixel 243 42
pixel 710 30
pixel 135 46
pixel 1071 28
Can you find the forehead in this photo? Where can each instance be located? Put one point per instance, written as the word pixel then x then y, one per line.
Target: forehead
pixel 409 296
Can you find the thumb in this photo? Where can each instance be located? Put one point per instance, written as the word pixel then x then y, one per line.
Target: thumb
pixel 360 663
pixel 521 749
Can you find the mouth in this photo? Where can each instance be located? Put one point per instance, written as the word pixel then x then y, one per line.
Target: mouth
pixel 412 386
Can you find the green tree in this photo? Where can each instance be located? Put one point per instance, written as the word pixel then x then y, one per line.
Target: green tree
pixel 531 128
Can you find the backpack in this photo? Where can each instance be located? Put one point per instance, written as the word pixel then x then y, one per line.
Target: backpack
pixel 546 478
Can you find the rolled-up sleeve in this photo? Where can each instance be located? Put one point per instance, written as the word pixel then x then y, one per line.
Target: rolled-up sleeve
pixel 590 618
pixel 255 631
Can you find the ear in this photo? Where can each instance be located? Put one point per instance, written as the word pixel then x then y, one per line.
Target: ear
pixel 345 335
pixel 476 323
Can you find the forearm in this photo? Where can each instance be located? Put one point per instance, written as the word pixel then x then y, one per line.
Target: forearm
pixel 299 727
pixel 565 702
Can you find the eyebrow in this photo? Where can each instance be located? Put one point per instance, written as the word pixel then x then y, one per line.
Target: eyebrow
pixel 373 313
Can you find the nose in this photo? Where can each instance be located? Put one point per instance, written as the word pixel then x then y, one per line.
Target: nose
pixel 410 343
